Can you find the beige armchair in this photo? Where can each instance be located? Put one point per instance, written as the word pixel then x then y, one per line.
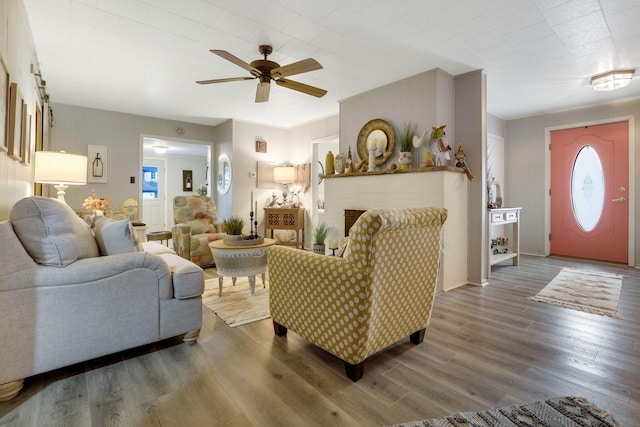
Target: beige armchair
pixel 379 292
pixel 196 225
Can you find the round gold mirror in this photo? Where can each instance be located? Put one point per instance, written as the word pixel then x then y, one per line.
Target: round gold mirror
pixel 380 133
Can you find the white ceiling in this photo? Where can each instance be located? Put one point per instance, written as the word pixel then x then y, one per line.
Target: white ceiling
pixel 144 56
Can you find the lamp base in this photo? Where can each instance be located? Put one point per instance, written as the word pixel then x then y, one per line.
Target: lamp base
pixel 61 191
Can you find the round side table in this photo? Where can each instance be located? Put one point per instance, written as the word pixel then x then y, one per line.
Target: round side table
pixel 236 261
pixel 159 235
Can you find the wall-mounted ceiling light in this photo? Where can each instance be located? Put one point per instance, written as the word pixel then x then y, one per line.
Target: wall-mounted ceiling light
pixel 160 149
pixel 612 80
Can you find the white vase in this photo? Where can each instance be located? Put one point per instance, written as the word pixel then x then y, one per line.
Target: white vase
pixel 405 159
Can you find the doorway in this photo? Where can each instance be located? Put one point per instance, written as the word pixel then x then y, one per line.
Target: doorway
pixel 153 194
pixel 590 192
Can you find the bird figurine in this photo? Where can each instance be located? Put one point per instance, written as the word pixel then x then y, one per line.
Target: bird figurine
pixel 461 162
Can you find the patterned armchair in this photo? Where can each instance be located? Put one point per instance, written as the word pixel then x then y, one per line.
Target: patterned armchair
pixel 381 291
pixel 195 226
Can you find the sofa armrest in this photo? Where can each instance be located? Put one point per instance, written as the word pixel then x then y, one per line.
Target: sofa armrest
pixel 187 278
pixel 318 296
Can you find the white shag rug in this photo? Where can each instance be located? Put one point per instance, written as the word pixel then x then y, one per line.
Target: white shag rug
pixel 589 291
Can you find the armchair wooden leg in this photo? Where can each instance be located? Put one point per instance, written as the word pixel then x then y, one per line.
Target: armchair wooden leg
pixel 354 372
pixel 417 337
pixel 279 329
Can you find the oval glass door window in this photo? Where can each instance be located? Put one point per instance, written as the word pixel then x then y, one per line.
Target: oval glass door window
pixel 587 188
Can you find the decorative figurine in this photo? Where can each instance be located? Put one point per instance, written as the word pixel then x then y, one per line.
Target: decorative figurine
pixel 461 162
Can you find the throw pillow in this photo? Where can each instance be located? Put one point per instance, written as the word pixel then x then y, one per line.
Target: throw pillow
pixel 51 232
pixel 115 237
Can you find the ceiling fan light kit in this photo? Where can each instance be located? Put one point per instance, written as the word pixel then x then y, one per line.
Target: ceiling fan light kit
pixel 612 80
pixel 266 70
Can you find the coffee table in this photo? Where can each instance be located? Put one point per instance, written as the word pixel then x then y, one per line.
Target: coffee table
pixel 237 261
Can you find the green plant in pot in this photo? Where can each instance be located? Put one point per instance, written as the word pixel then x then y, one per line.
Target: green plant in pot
pixel 320 233
pixel 234 226
pixel 404 136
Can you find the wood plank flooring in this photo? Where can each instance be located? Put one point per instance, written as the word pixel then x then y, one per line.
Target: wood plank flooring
pixel 485 348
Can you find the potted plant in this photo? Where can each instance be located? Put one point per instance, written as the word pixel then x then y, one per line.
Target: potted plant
pixel 233 227
pixel 319 236
pixel 405 140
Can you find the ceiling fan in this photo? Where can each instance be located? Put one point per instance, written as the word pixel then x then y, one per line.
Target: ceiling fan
pixel 266 71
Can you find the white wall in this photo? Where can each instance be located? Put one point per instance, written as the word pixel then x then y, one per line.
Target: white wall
pixel 76 127
pixel 526 167
pixel 18 51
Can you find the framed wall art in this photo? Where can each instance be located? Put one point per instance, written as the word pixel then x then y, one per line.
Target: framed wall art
pixel 187 180
pixel 37 187
pixel 5 85
pixel 16 101
pixel 97 163
pixel 261 146
pixel 27 137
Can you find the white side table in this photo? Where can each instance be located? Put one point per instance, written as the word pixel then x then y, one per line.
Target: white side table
pixel 236 261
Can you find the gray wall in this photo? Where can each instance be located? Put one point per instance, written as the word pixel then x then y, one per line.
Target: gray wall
pixel 526 168
pixel 18 52
pixel 76 127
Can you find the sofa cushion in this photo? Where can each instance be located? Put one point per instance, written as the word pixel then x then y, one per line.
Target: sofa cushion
pixel 115 237
pixel 51 232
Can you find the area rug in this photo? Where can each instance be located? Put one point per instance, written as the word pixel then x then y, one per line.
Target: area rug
pixel 557 412
pixel 237 306
pixel 589 291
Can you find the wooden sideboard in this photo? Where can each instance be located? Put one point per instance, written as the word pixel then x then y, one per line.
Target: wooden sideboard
pixel 285 219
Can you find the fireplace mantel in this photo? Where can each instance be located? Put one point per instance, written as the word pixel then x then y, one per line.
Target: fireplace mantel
pixel 446 187
pixel 396 171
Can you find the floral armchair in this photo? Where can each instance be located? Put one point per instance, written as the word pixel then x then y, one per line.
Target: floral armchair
pixel 379 292
pixel 195 226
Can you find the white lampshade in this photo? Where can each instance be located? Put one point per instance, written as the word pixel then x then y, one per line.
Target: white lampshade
pixel 284 174
pixel 612 80
pixel 61 169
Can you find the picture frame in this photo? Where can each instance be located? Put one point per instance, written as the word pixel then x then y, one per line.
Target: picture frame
pixel 5 86
pixel 16 102
pixel 97 161
pixel 261 146
pixel 39 144
pixel 264 175
pixel 187 180
pixel 25 147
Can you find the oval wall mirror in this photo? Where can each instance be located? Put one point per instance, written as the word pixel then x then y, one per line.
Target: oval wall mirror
pixel 224 173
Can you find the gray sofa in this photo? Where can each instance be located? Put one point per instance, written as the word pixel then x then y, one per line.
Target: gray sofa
pixel 63 300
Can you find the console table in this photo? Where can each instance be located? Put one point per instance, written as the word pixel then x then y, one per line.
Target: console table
pixel 285 219
pixel 497 252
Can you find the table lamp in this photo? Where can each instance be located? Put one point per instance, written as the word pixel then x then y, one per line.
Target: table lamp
pixel 60 169
pixel 284 175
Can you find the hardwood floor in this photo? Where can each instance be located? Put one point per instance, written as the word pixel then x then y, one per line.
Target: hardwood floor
pixel 485 348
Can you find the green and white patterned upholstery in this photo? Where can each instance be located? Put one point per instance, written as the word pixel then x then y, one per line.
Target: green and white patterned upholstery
pixel 379 292
pixel 196 225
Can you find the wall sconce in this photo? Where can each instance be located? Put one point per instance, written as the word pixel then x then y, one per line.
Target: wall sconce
pixel 612 80
pixel 61 169
pixel 284 175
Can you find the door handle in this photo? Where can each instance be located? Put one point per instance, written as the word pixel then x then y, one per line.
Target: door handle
pixel 621 200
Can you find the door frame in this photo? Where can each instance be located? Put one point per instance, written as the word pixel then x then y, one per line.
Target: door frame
pixel 632 190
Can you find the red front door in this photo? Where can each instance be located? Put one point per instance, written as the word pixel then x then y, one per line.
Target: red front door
pixel 589 192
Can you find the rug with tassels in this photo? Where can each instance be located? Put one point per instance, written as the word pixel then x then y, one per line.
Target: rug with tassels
pixel 590 291
pixel 557 412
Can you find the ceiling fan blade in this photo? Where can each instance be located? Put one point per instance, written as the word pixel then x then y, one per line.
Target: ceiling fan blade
pixel 239 62
pixel 262 91
pixel 299 67
pixel 230 79
pixel 301 87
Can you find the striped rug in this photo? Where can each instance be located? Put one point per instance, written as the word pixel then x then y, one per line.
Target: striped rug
pixel 237 306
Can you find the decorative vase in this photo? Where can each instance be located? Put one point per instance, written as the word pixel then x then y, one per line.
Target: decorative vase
pixel 372 160
pixel 318 249
pixel 405 159
pixel 329 168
